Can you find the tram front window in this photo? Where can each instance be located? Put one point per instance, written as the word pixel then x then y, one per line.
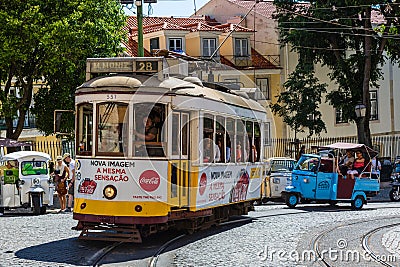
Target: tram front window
pixel 112 127
pixel 85 129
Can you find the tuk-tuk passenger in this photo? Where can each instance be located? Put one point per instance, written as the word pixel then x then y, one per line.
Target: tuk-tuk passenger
pixel 358 165
pixel 346 162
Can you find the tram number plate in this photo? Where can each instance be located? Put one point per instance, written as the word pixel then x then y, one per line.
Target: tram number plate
pixel 146 66
pixel 106 219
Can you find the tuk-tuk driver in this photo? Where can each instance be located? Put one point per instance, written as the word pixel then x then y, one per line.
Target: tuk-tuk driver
pixel 12 164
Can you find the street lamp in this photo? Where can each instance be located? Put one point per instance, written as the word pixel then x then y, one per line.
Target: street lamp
pixel 360 110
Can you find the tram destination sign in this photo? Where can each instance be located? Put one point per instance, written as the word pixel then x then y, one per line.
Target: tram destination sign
pixel 123 65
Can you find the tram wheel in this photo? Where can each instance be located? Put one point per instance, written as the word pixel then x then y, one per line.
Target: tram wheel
pixel 357 203
pixel 292 200
pixel 394 195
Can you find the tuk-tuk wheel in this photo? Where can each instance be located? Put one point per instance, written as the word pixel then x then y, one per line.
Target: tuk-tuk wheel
pixel 36 204
pixel 292 200
pixel 43 210
pixel 357 203
pixel 394 195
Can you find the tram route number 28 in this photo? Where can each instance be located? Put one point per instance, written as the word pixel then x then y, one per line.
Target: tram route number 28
pixel 146 66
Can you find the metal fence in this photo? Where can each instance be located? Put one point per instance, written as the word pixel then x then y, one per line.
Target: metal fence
pixel 54 148
pixel 388 146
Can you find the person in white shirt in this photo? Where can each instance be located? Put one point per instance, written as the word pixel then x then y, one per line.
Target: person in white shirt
pixel 376 168
pixel 71 181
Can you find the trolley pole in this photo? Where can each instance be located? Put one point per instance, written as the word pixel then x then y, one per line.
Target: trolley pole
pixel 139 9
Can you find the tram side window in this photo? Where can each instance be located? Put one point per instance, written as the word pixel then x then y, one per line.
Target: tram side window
pixel 208 137
pixel 257 141
pixel 230 140
pixel 149 129
pixel 220 139
pixel 240 142
pixel 85 129
pixel 112 127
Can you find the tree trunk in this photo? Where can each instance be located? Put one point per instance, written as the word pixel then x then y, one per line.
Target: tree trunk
pixel 23 107
pixel 363 130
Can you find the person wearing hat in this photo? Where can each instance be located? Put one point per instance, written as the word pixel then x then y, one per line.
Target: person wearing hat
pixel 71 179
pixel 61 172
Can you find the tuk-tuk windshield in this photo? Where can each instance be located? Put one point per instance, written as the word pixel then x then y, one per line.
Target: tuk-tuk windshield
pixel 282 165
pixel 33 168
pixel 307 163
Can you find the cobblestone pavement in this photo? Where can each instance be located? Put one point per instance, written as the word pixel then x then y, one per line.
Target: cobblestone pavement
pixel 47 240
pixel 259 243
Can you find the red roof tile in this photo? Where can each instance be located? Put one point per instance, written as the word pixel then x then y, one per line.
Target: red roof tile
pixel 158 27
pixel 132 21
pixel 227 27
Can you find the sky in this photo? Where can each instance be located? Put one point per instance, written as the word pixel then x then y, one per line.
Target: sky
pixel 168 8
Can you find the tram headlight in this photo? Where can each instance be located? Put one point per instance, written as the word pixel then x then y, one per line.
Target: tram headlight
pixel 110 192
pixel 36 181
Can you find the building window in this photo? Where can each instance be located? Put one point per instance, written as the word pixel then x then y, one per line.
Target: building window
pixel 209 46
pixel 263 85
pixel 175 44
pixel 339 116
pixel 241 47
pixel 154 43
pixel 373 96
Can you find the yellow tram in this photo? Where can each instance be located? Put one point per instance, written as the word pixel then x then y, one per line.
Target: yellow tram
pixel 156 151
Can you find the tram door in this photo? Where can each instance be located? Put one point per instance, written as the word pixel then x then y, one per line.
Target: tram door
pixel 179 164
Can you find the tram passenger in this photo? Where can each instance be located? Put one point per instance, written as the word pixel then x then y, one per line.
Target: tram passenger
pixel 239 152
pixel 150 132
pixel 358 165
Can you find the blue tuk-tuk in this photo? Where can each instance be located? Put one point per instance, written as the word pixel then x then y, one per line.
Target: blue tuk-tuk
pixel 316 177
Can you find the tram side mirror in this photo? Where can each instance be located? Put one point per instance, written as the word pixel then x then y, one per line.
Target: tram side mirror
pixel 63 121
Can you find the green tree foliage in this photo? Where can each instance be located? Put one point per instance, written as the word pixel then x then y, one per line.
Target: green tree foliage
pixel 48 41
pixel 298 105
pixel 349 37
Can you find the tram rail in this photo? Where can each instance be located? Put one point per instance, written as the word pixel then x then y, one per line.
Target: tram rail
pixel 365 238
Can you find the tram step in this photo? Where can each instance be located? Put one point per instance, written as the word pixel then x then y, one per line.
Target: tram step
pixel 116 234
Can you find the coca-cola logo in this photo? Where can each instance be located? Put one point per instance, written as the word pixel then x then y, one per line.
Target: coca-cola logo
pixel 149 180
pixel 202 184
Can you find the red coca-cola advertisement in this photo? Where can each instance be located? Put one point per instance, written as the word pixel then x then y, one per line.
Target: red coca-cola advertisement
pixel 202 184
pixel 87 186
pixel 149 180
pixel 239 190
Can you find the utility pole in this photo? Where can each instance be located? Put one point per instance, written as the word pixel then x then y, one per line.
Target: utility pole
pixel 139 10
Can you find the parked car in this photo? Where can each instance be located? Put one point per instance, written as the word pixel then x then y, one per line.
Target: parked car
pixel 277 175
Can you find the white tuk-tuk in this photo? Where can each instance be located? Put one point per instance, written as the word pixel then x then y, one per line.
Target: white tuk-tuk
pixel 25 181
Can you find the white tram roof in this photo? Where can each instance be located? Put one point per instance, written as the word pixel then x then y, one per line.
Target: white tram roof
pixel 29 155
pixel 190 86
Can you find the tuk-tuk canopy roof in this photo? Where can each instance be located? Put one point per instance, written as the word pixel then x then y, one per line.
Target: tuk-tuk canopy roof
pixel 354 147
pixel 21 155
pixel 7 142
